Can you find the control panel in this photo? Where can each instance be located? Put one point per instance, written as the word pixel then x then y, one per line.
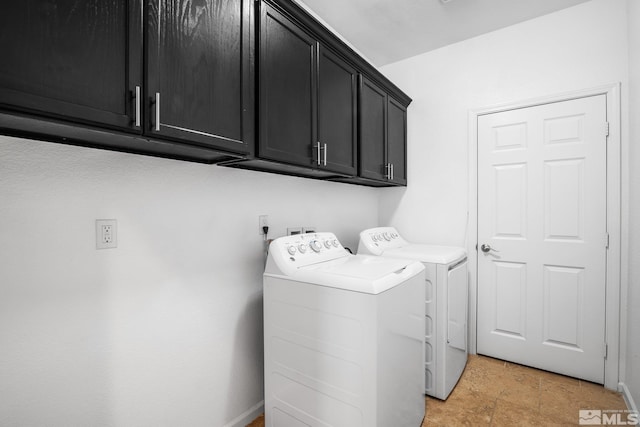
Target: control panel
pixel 301 250
pixel 375 241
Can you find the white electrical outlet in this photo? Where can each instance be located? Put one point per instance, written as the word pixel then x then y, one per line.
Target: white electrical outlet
pixel 306 230
pixel 106 233
pixel 263 221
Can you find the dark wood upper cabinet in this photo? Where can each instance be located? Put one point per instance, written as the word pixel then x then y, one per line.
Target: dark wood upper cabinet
pixel 373 129
pixel 288 99
pixel 74 60
pixel 397 140
pixel 177 79
pixel 198 85
pixel 315 118
pixel 337 113
pixel 308 99
pixel 383 135
pixel 172 78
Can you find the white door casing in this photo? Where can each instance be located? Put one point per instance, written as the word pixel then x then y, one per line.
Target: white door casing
pixel 542 204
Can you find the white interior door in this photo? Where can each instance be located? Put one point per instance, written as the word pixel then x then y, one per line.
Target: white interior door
pixel 542 211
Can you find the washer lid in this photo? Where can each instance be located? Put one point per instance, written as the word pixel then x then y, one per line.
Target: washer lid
pixel 364 267
pixel 359 273
pixel 427 253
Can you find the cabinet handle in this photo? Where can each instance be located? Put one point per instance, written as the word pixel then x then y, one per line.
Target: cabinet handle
pixel 318 153
pixel 387 171
pixel 137 106
pixel 391 171
pixel 157 111
pixel 324 159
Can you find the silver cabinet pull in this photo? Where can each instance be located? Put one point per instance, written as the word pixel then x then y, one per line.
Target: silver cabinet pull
pixel 387 168
pixel 318 153
pixel 137 113
pixel 392 171
pixel 158 111
pixel 324 160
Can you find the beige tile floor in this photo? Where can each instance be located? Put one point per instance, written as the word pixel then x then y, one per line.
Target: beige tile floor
pixel 493 392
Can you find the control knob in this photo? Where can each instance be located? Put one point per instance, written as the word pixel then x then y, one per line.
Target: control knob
pixel 291 250
pixel 335 243
pixel 315 245
pixel 327 244
pixel 302 248
pixel 386 236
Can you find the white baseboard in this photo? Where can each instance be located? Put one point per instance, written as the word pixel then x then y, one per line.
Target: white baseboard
pixel 247 416
pixel 628 399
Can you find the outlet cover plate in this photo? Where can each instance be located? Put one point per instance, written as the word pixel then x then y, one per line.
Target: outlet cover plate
pixel 106 233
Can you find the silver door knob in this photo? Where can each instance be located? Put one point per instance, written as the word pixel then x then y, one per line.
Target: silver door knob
pixel 486 248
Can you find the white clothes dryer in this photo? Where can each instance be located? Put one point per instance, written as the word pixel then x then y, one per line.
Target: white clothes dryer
pixel 446 303
pixel 343 336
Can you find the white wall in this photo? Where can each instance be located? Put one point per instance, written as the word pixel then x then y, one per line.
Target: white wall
pixel 633 340
pixel 576 48
pixel 167 328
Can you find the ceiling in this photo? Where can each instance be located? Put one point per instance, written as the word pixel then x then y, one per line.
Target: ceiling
pixel 387 31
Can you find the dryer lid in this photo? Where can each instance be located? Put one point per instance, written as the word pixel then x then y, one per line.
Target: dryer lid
pixel 428 253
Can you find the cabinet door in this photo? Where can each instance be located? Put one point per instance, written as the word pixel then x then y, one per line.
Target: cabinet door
pixel 373 112
pixel 198 81
pixel 337 113
pixel 288 58
pixel 397 141
pixel 72 60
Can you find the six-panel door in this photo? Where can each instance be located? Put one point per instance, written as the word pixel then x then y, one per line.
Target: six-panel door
pixel 542 236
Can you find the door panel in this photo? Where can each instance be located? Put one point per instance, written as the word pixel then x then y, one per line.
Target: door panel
pixel 542 208
pixel 71 60
pixel 510 200
pixel 373 119
pixel 196 65
pixel 397 140
pixel 287 90
pixel 564 200
pixel 337 108
pixel 510 279
pixel 563 292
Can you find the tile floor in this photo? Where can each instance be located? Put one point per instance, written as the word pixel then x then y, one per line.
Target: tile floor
pixel 493 392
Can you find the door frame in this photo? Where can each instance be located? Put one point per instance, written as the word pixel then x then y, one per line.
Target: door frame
pixel 615 318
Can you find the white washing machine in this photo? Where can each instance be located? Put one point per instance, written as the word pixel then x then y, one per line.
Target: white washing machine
pixel 343 336
pixel 446 303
